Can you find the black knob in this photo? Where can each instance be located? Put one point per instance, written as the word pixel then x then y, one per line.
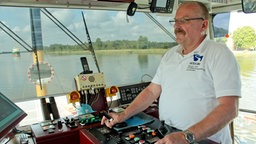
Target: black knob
pixel 59 123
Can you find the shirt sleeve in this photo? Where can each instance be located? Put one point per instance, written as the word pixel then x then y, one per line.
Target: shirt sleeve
pixel 225 73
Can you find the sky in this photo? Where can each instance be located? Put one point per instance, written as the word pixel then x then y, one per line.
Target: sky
pixel 241 19
pixel 106 25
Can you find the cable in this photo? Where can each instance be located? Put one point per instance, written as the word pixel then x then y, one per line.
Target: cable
pixel 161 26
pixel 95 100
pixel 15 38
pixel 90 44
pixel 64 29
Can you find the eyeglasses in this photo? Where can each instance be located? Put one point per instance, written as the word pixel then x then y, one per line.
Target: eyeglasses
pixel 184 20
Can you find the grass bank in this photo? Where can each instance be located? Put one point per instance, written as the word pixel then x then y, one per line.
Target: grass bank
pixel 109 52
pixel 135 51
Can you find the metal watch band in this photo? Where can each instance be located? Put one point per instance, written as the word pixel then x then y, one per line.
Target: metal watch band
pixel 189 136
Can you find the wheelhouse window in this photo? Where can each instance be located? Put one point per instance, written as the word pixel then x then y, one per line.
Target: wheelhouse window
pixel 41 51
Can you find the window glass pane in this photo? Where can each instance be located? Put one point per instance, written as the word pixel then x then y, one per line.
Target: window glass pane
pixel 115 38
pixel 221 24
pixel 241 39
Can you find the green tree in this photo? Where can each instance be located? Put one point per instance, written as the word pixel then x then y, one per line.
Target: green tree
pixel 142 42
pixel 98 43
pixel 244 38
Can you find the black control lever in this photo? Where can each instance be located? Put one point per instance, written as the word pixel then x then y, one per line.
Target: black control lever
pixel 104 113
pixel 162 131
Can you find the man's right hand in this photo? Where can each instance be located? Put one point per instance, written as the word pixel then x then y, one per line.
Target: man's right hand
pixel 116 118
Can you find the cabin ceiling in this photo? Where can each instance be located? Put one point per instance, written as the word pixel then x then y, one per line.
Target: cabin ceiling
pixel 214 5
pixel 87 4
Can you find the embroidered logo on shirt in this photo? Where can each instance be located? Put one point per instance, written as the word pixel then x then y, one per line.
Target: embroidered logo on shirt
pixel 195 65
pixel 198 57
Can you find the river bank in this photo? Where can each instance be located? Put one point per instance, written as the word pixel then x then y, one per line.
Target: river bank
pixel 109 52
pixel 134 51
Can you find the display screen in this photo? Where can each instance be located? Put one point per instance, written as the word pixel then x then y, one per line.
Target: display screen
pixel 161 3
pixel 162 6
pixel 10 115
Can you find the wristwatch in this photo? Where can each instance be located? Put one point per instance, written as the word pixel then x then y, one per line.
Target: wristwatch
pixel 189 136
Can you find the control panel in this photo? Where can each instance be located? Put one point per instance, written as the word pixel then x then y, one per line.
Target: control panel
pixel 146 133
pixel 129 92
pixel 90 81
pixel 142 134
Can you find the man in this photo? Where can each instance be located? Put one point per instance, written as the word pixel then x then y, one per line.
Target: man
pixel 198 82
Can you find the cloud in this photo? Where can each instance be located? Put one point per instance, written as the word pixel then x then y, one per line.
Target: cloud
pixel 106 25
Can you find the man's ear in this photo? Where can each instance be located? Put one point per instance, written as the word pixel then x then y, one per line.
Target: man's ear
pixel 205 24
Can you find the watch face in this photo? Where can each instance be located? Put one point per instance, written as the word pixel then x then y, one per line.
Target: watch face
pixel 189 137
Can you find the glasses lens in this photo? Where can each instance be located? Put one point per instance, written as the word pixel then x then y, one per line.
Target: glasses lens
pixel 172 21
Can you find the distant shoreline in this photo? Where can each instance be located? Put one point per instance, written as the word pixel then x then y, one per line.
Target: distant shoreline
pixel 136 51
pixel 109 52
pixel 129 51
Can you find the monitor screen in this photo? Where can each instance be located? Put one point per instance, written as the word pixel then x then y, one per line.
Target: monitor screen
pixel 10 115
pixel 162 6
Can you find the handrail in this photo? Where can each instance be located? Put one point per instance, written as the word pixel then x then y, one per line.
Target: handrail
pixel 248 111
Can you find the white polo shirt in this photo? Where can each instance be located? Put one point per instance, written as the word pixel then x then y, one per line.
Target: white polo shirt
pixel 192 83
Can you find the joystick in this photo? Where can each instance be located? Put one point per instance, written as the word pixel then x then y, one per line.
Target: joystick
pixel 162 131
pixel 104 113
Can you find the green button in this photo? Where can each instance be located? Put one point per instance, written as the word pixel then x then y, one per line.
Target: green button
pixel 136 139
